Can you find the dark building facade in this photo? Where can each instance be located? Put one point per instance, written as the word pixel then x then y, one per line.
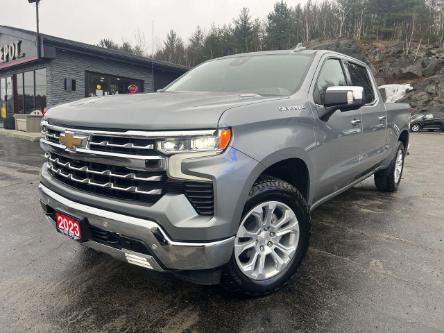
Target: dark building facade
pixel 68 70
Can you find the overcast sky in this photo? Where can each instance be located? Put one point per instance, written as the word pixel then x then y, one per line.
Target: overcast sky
pixel 91 20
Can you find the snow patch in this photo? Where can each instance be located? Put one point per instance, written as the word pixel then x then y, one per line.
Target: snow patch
pixel 395 92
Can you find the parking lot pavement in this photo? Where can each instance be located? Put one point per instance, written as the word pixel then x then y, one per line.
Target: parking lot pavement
pixel 376 263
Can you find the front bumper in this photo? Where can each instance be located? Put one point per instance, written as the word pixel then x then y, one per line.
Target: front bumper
pixel 164 253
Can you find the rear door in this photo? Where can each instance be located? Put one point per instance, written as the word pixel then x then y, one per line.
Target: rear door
pixel 374 118
pixel 337 155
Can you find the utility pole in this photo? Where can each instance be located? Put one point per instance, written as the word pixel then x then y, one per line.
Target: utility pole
pixel 37 2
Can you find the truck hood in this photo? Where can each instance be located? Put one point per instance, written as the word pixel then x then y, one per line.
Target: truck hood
pixel 151 111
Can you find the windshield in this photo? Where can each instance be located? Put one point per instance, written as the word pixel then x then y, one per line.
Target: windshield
pixel 276 75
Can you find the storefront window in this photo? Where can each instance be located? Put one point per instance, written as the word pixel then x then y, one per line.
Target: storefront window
pixel 19 85
pixel 23 92
pixel 104 84
pixel 29 92
pixel 9 96
pixel 40 89
pixel 2 98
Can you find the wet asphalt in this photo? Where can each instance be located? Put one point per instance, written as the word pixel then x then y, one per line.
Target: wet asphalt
pixel 375 264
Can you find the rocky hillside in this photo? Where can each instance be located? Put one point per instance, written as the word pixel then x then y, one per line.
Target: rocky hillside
pixel 422 66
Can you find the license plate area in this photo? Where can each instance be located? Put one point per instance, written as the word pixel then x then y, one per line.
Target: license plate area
pixel 69 225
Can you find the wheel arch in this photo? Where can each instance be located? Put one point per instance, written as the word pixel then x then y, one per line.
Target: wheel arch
pixel 404 137
pixel 292 166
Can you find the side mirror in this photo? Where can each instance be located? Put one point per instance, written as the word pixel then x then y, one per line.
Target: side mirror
pixel 344 98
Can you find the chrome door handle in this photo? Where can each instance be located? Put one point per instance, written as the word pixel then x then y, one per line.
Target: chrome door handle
pixel 382 118
pixel 355 122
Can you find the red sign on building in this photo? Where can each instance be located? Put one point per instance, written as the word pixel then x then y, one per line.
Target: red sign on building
pixel 133 89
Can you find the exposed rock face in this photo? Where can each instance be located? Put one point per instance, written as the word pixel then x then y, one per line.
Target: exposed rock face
pixel 428 95
pixel 345 46
pixel 411 72
pixel 433 67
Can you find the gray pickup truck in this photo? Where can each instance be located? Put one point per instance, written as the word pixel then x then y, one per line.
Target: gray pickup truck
pixel 214 177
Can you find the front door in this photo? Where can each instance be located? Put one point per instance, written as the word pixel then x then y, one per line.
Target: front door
pixel 337 156
pixel 374 118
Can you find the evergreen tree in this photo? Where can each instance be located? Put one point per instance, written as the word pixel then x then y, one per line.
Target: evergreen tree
pixel 405 21
pixel 278 27
pixel 243 32
pixel 108 44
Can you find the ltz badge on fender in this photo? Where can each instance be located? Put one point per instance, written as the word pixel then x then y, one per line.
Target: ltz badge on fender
pixel 291 108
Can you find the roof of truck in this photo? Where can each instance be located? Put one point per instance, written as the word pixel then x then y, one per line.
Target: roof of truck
pixel 297 51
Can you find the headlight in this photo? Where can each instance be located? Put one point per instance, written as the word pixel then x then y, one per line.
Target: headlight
pixel 208 143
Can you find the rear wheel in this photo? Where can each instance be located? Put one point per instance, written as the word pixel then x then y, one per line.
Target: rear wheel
pixel 388 180
pixel 271 241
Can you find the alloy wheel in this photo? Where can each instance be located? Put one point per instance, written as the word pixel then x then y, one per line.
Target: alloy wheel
pixel 399 164
pixel 267 240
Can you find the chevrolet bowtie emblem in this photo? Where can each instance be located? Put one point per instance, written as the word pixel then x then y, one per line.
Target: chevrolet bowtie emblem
pixel 70 141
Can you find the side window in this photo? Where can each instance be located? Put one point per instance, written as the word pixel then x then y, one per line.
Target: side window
pixel 331 75
pixel 359 77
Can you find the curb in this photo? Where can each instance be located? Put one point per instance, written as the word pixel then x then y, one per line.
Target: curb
pixel 33 137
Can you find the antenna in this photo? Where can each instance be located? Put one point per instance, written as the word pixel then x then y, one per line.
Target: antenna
pixel 299 47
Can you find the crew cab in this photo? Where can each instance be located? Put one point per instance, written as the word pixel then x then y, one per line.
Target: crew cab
pixel 213 178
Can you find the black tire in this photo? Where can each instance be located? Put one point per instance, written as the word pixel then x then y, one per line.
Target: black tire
pixel 385 179
pixel 270 189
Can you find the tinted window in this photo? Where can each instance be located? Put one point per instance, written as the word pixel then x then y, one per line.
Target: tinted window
pixel 29 92
pixel 331 75
pixel 40 89
pixel 359 77
pixel 104 84
pixel 19 80
pixel 279 74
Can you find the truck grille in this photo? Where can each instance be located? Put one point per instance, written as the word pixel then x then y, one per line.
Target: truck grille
pixel 122 183
pixel 110 143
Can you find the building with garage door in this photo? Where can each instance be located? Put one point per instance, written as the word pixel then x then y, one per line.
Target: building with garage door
pixel 66 70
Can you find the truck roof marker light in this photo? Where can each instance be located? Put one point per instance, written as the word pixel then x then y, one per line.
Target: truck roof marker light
pixel 224 138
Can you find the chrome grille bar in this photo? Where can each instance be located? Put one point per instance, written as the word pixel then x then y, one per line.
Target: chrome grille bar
pixel 129 145
pixel 104 144
pixel 52 135
pixel 104 153
pixel 110 185
pixel 130 176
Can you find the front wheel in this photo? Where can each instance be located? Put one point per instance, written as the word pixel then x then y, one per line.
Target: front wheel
pixel 388 180
pixel 271 241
